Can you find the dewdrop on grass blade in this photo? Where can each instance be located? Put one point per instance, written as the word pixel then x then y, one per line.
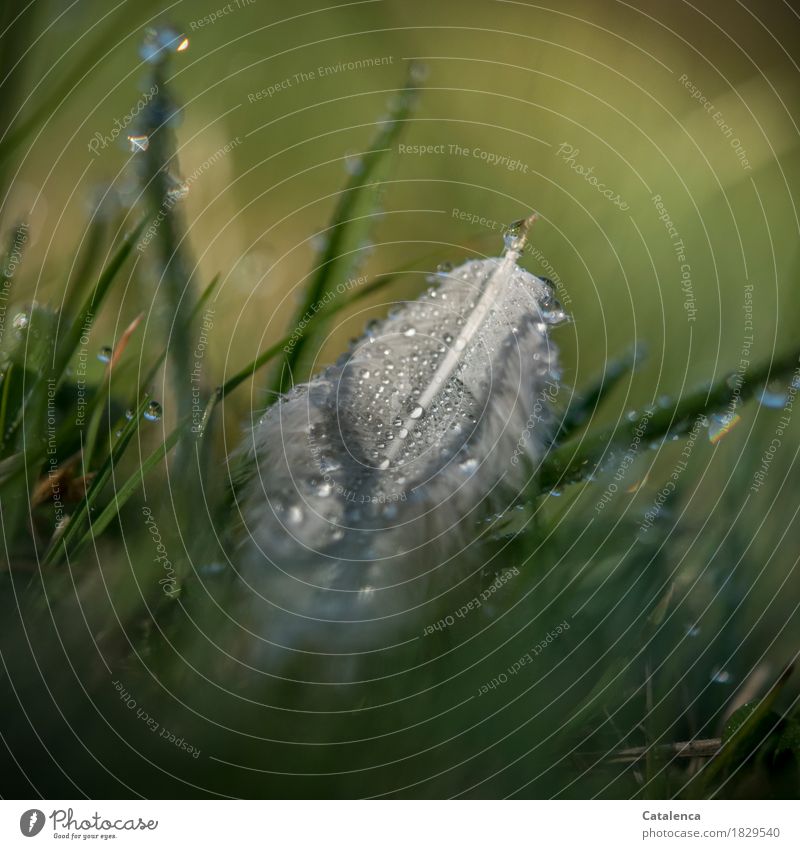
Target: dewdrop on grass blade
pixel 369 481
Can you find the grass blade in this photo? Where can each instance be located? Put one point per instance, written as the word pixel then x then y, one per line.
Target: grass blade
pixel 92 302
pixel 351 221
pixel 266 356
pixel 746 738
pixel 124 493
pixel 73 531
pixel 201 301
pixel 568 464
pixel 583 408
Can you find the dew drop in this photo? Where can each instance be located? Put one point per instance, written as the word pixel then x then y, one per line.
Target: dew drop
pixel 774 397
pixel 721 676
pixel 157 41
pixel 353 163
pixel 418 71
pixel 178 192
pixel 328 464
pixel 21 321
pixel 153 411
pixel 417 412
pixel 319 242
pixel 105 354
pixel 514 236
pixel 139 144
pixel 720 425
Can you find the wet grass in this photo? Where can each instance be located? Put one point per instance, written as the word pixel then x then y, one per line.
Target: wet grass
pixel 677 598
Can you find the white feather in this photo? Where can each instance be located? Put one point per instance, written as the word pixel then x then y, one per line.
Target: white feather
pixel 370 481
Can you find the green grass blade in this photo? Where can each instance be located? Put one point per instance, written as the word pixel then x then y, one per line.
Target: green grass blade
pixel 82 513
pixel 86 265
pixel 266 356
pixel 351 221
pixel 72 336
pixel 4 405
pixel 584 406
pixel 201 302
pixel 569 464
pixel 741 742
pixel 13 256
pixel 161 187
pixel 124 493
pixel 205 295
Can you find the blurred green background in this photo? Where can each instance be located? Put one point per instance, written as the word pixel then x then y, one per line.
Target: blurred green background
pixel 511 79
pixel 682 110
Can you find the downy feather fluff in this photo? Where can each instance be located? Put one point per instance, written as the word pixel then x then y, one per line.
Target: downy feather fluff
pixel 370 481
